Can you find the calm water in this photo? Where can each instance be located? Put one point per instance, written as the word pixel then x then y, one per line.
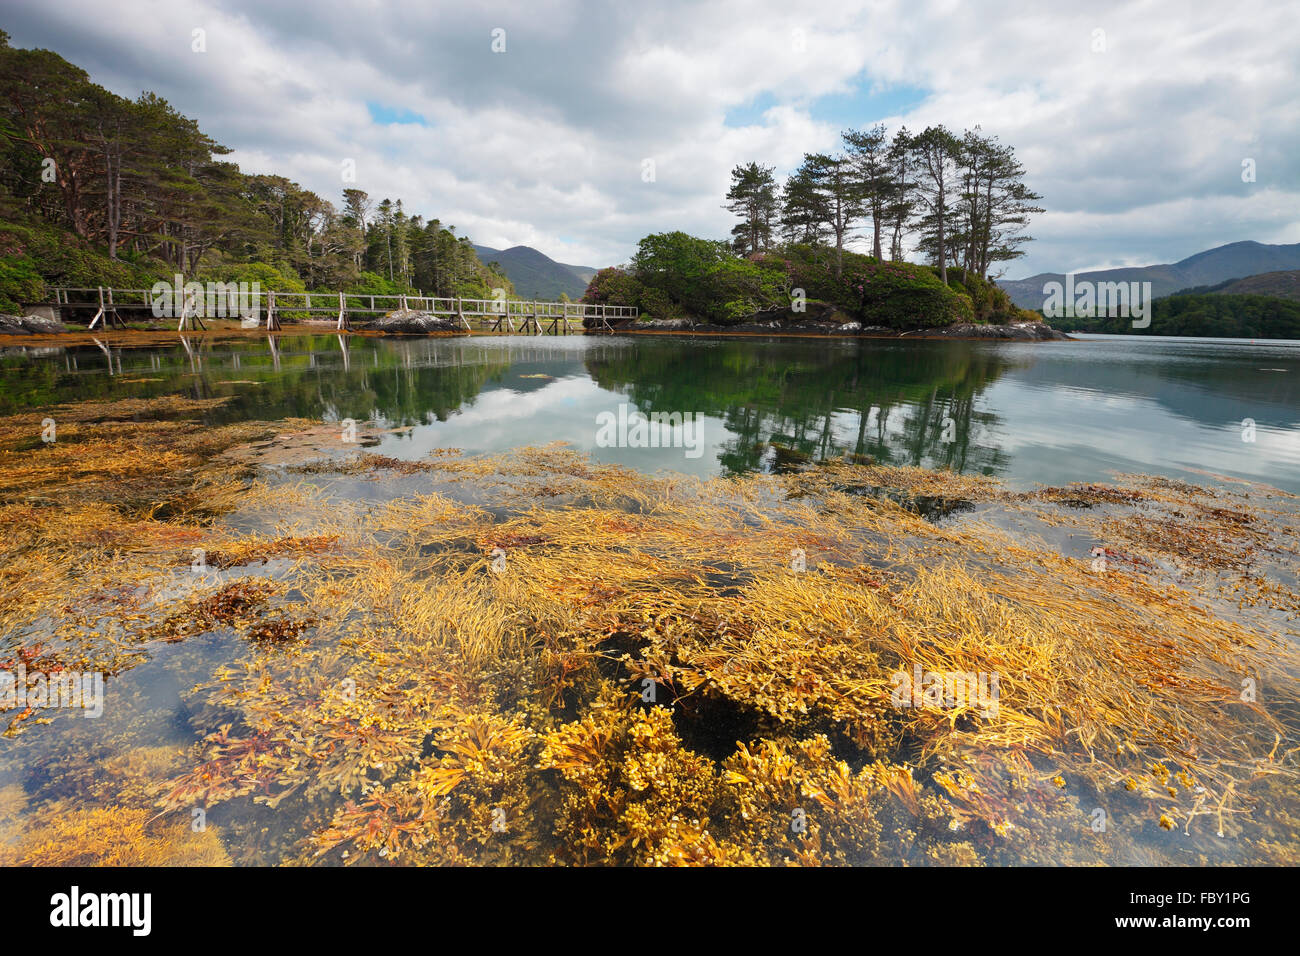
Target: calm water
pixel 1026 412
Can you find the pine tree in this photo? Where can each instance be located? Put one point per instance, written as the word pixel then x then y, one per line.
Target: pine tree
pixel 752 197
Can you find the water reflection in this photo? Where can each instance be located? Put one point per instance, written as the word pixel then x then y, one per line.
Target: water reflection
pixel 1056 412
pixel 893 403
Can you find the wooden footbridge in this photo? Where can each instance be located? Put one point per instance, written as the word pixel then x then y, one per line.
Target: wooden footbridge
pixel 482 315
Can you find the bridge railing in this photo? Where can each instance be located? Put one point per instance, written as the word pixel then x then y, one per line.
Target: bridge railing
pixel 330 303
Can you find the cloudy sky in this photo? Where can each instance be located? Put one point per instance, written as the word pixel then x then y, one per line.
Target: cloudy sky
pixel 1133 119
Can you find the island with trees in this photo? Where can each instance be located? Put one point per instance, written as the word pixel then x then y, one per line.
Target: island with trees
pixel 787 268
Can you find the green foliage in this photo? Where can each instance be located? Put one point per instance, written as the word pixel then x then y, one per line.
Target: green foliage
pixel 904 296
pixel 19 282
pixel 370 283
pixel 894 294
pixel 811 267
pixel 34 257
pixel 990 303
pixel 736 288
pixel 675 274
pixel 269 277
pixel 677 265
pixel 617 286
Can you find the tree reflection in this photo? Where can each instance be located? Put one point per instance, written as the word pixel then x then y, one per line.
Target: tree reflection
pixel 898 403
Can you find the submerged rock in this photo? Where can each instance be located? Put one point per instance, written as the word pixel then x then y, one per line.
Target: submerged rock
pixel 410 320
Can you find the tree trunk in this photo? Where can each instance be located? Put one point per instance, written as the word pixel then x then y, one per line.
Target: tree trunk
pixel 943 249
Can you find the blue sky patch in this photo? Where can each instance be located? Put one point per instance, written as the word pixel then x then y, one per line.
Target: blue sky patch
pixel 858 108
pixel 389 115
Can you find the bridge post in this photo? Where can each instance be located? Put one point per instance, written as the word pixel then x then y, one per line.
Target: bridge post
pixel 190 302
pixel 272 323
pixel 343 319
pixel 100 314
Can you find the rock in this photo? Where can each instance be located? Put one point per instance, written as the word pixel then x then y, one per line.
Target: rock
pixel 410 320
pixel 30 325
pixel 665 324
pixel 1017 331
pixel 823 319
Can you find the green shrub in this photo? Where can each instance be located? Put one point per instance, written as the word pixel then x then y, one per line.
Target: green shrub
pixel 267 276
pixel 371 283
pixel 19 283
pixel 616 286
pixel 613 286
pixel 63 259
pixel 989 302
pixel 904 296
pixel 678 265
pixel 735 288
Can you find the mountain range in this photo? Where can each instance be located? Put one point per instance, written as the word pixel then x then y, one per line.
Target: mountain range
pixel 1237 260
pixel 536 275
pixel 1279 285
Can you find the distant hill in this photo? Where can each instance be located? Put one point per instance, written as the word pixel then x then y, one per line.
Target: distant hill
pixel 1233 261
pixel 1280 285
pixel 585 273
pixel 537 276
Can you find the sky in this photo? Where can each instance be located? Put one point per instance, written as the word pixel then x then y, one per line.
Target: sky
pixel 579 127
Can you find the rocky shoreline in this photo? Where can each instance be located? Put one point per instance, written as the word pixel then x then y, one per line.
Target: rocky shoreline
pixel 412 322
pixel 1012 332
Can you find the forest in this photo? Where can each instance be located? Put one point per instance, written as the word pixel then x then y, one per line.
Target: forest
pixel 1203 314
pixel 99 189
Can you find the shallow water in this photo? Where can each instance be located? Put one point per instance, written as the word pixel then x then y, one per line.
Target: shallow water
pixel 1024 412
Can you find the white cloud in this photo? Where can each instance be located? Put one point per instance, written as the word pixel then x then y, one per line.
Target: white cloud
pixel 1137 150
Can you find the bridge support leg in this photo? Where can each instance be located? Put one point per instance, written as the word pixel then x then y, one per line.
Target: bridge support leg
pixel 100 314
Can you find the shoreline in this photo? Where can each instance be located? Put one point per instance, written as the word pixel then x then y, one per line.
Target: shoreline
pixel 969 332
pixel 1026 332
